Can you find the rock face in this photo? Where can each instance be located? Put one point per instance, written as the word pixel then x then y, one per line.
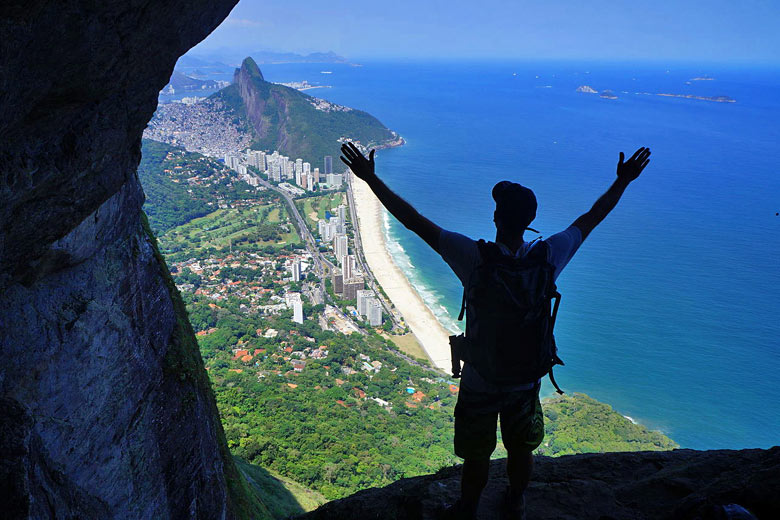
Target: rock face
pixel 105 408
pixel 679 484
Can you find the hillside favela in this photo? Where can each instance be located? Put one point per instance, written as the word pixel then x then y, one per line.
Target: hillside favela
pixel 215 305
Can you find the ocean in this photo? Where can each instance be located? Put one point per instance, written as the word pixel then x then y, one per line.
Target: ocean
pixel 671 308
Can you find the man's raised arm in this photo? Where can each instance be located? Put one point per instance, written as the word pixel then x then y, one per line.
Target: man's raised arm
pixel 626 173
pixel 400 209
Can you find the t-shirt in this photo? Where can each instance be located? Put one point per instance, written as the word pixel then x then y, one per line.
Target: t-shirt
pixel 462 255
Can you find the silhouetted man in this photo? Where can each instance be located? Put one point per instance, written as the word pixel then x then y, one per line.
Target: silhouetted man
pixel 480 400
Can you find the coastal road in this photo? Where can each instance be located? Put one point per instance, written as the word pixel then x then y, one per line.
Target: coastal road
pixel 361 257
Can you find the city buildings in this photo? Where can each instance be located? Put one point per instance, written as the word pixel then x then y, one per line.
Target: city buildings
pixel 374 312
pixel 363 296
pixel 340 248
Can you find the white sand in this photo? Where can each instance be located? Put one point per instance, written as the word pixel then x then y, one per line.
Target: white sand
pixel 426 328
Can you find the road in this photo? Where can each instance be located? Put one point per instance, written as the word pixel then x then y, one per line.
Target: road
pixel 361 258
pixel 320 263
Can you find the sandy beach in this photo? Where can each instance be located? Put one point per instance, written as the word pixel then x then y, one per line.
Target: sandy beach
pixel 426 328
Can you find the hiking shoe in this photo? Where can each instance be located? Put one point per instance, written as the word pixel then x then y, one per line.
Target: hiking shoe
pixel 513 509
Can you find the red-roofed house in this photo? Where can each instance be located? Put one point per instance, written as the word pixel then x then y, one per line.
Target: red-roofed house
pixel 239 353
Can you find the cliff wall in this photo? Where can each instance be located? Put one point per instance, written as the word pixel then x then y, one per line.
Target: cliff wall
pixel 105 408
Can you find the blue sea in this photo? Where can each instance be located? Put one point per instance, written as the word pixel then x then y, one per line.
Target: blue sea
pixel 671 308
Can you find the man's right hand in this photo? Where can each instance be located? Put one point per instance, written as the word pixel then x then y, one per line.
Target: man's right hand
pixel 357 162
pixel 630 170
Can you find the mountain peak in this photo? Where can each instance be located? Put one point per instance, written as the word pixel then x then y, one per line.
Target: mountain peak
pixel 249 66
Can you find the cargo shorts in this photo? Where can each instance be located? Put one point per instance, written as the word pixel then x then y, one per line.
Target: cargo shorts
pixel 476 414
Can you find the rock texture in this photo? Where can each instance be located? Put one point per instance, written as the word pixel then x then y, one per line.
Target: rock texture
pixel 105 408
pixel 679 484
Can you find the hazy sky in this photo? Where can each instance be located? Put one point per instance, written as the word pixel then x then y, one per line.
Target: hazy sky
pixel 712 30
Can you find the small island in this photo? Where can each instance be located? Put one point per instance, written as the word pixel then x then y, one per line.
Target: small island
pixel 586 89
pixel 716 99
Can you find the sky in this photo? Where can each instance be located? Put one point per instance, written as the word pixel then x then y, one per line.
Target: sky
pixel 685 30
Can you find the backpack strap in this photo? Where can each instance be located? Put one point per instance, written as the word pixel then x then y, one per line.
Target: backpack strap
pixel 487 252
pixel 552 380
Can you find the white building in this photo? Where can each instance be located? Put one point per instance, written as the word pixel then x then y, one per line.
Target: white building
pixel 363 295
pixel 294 301
pixel 349 267
pixel 340 247
pixel 296 270
pixel 334 180
pixel 374 312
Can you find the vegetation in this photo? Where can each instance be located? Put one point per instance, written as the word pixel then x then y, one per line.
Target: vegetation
pixel 318 207
pixel 181 186
pixel 283 497
pixel 580 424
pixel 293 124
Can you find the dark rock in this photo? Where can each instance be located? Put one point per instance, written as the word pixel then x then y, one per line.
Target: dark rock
pixel 106 411
pixel 675 485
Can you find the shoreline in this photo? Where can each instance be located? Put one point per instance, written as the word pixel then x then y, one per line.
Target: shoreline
pixel 429 332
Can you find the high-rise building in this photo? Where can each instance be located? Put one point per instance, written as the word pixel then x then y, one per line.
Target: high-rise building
pixel 316 175
pixel 340 247
pixel 296 271
pixel 294 301
pixel 328 164
pixel 307 168
pixel 310 182
pixel 374 312
pixel 352 287
pixel 342 214
pixel 327 230
pixel 334 180
pixel 349 267
pixel 363 295
pixel 338 282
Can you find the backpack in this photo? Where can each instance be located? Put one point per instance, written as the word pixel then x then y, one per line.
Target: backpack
pixel 509 328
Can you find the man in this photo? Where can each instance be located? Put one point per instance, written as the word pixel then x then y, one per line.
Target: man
pixel 481 401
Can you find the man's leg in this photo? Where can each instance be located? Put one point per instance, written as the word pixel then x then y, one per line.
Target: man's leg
pixel 472 482
pixel 522 429
pixel 475 440
pixel 519 466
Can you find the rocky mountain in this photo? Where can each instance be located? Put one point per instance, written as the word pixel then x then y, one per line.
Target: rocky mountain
pixel 105 407
pixel 296 124
pixel 679 485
